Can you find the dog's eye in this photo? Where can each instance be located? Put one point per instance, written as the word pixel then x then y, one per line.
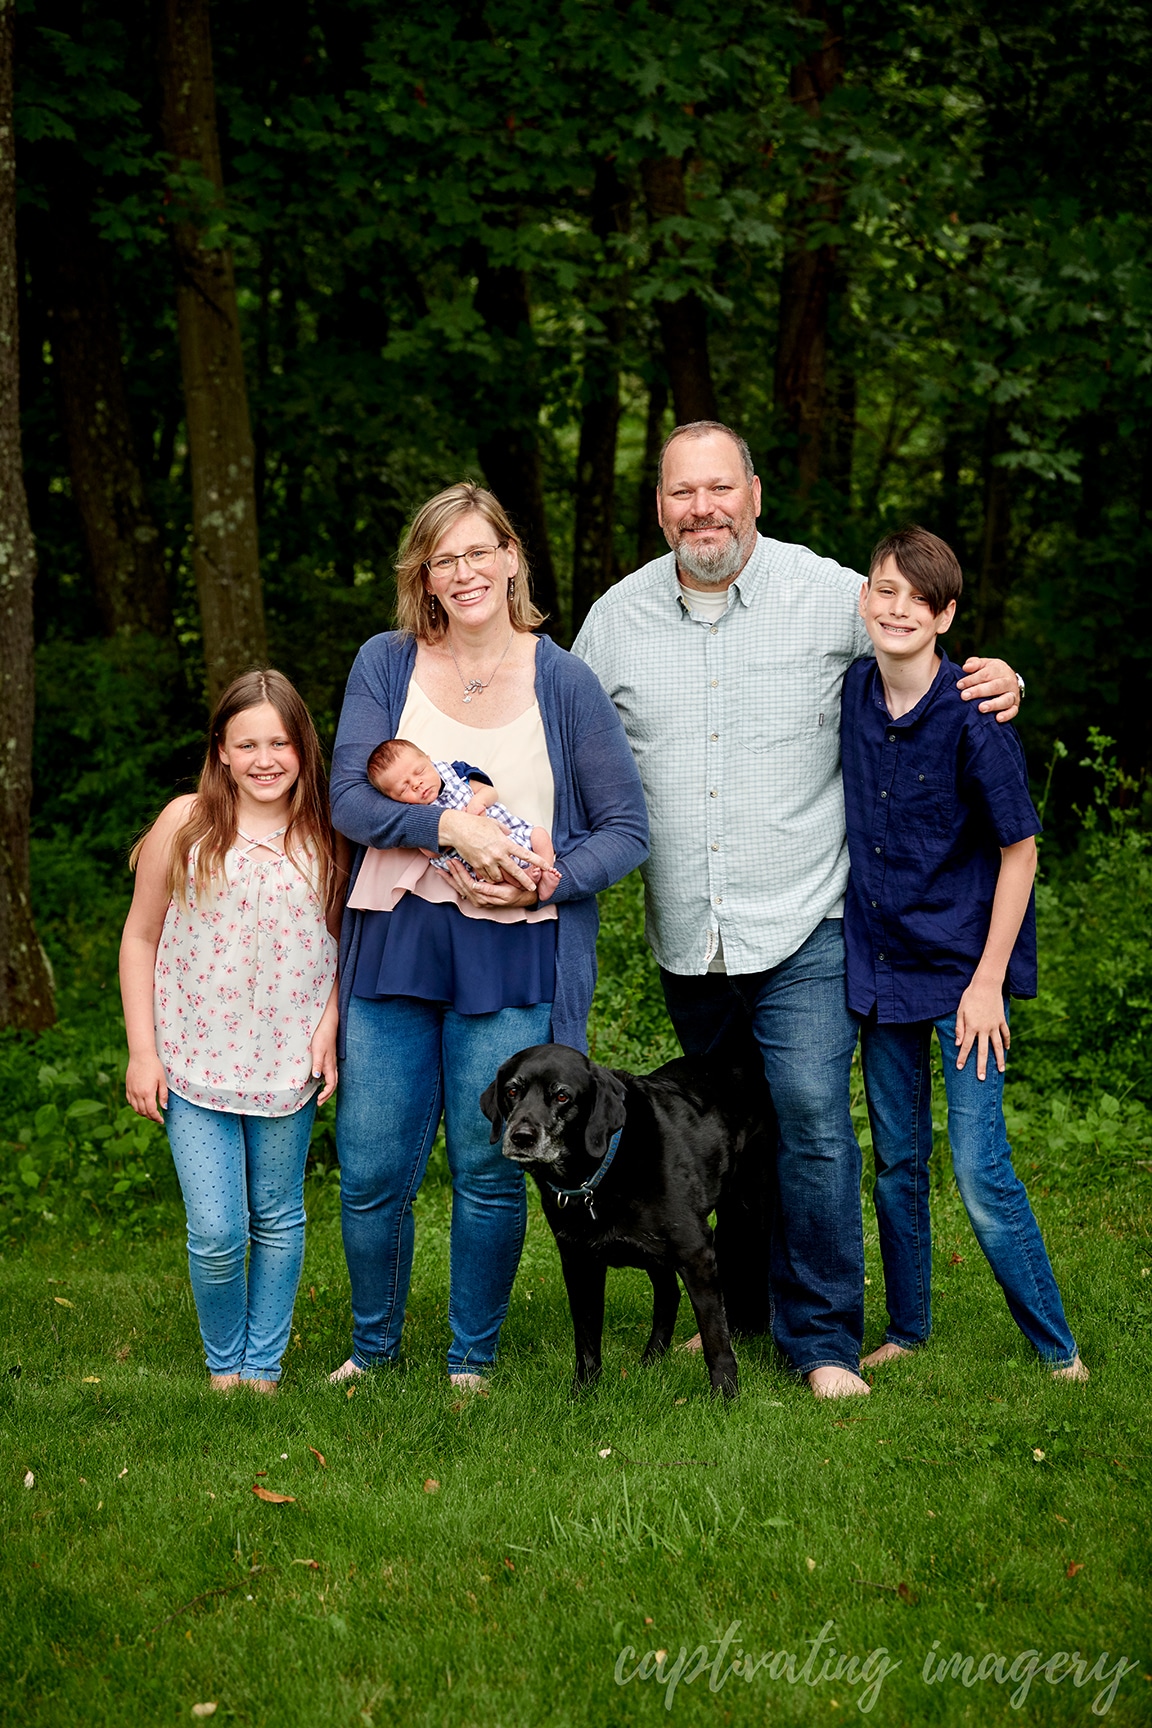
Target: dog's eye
pixel 562 1098
pixel 512 1091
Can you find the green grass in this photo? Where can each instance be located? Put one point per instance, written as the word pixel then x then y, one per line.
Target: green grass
pixel 141 1575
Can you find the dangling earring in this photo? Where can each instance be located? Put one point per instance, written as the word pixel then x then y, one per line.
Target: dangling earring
pixel 511 586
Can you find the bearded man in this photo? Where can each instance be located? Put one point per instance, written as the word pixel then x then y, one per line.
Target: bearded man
pixel 724 659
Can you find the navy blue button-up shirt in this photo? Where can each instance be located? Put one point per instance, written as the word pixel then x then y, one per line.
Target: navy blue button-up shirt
pixel 930 799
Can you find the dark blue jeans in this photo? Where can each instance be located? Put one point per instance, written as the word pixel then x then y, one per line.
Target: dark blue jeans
pixel 898 1083
pixel 406 1061
pixel 798 1015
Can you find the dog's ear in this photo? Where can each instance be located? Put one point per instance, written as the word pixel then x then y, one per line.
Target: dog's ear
pixel 608 1112
pixel 489 1103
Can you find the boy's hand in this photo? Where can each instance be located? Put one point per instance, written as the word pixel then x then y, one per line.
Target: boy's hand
pixel 481 797
pixel 980 1021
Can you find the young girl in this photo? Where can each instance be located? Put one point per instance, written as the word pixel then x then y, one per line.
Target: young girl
pixel 228 977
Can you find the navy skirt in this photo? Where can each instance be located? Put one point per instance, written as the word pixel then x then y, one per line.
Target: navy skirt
pixel 433 952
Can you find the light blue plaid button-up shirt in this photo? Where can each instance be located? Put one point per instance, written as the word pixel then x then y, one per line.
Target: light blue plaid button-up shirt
pixel 735 726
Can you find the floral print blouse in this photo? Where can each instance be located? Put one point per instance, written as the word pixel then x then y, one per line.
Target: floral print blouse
pixel 242 981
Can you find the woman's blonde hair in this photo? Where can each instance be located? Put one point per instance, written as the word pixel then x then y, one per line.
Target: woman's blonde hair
pixel 419 613
pixel 211 822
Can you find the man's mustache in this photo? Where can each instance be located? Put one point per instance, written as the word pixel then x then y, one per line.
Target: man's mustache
pixel 708 522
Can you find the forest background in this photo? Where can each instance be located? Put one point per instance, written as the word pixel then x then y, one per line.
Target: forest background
pixel 279 282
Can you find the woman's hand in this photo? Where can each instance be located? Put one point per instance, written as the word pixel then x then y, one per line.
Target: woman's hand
pixel 980 1021
pixel 324 1051
pixel 488 894
pixel 144 1084
pixel 489 848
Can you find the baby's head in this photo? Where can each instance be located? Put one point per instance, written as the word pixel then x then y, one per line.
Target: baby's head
pixel 402 771
pixel 914 582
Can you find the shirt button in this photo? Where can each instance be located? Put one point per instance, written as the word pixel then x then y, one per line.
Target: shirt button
pixel 715 681
pixel 875 902
pixel 715 737
pixel 877 849
pixel 880 956
pixel 919 776
pixel 883 794
pixel 891 737
pixel 715 845
pixel 715 794
pixel 719 899
pixel 712 629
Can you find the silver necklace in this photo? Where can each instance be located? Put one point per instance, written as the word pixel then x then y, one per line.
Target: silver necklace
pixel 476 686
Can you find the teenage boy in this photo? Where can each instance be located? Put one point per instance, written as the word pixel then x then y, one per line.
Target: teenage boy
pixel 939 923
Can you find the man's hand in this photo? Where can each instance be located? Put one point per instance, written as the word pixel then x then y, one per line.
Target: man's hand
pixel 993 684
pixel 980 1020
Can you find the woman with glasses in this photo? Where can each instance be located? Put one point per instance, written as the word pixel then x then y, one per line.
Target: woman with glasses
pixel 442 979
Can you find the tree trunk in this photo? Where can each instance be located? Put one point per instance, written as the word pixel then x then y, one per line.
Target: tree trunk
pixel 225 554
pixel 510 448
pixel 120 534
pixel 683 322
pixel 810 272
pixel 594 558
pixel 25 980
pixel 991 594
pixel 650 541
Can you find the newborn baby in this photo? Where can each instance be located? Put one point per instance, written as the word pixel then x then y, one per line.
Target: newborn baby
pixel 402 771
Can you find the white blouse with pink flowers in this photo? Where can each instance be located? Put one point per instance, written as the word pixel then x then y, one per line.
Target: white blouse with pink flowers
pixel 242 981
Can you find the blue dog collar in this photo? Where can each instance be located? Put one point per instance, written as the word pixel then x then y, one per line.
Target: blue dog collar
pixel 587 1189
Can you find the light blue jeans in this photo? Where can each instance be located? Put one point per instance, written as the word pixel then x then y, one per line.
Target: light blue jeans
pixel 407 1060
pixel 898 1083
pixel 242 1178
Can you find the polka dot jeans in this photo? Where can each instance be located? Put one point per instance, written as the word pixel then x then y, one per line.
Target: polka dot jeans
pixel 242 1178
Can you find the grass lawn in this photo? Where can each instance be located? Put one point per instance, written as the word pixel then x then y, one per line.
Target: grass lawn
pixel 481 1560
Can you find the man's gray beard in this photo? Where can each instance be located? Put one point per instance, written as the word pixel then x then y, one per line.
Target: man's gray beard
pixel 711 565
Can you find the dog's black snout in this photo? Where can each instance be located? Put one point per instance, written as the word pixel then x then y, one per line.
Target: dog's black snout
pixel 523 1137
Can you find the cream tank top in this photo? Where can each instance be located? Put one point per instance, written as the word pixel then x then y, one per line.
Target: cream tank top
pixel 514 757
pixel 242 981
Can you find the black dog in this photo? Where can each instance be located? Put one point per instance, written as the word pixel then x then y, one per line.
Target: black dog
pixel 629 1168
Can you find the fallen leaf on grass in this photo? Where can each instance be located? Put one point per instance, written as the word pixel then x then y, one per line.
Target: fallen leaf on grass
pixel 272 1498
pixel 313 1564
pixel 1074 1566
pixel 904 1593
pixel 1058 1518
pixel 605 1452
pixel 431 1486
pixel 260 1472
pixel 1038 1454
pixel 29 1479
pixel 123 1472
pixel 90 1380
pixel 956 1260
pixel 319 1457
pixel 679 1400
pixel 810 1563
pixel 351 1390
pixel 311 1292
pixel 123 1354
pixel 205 1709
pixel 63 1302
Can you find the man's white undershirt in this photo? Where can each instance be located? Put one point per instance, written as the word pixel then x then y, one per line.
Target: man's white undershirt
pixel 708 604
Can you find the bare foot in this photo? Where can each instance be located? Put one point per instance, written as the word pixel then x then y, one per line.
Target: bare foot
pixel 1074 1371
pixel 467 1382
pixel 693 1344
pixel 267 1387
pixel 832 1382
pixel 223 1382
pixel 546 887
pixel 886 1353
pixel 346 1371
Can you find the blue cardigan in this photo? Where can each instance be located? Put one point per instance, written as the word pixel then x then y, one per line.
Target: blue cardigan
pixel 599 824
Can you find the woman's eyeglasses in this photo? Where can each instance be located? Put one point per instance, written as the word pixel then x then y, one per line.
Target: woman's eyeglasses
pixel 477 558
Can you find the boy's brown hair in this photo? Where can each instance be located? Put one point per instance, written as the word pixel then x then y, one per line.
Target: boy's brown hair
pixel 926 561
pixel 385 755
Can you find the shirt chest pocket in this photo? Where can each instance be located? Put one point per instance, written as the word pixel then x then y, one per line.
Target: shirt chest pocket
pixel 926 799
pixel 781 701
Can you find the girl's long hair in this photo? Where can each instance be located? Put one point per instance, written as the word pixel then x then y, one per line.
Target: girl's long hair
pixel 211 823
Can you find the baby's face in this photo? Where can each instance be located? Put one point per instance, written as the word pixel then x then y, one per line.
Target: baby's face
pixel 410 779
